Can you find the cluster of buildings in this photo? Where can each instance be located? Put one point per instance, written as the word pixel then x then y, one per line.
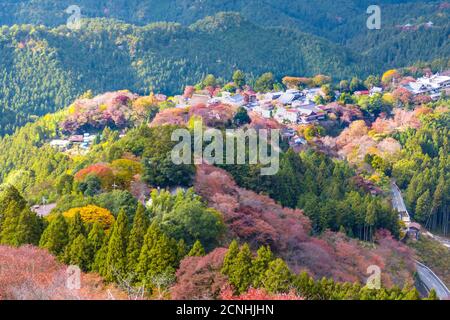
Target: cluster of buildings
pixel 432 86
pixel 83 141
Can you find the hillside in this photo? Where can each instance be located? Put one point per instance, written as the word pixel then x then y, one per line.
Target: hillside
pixel 45 69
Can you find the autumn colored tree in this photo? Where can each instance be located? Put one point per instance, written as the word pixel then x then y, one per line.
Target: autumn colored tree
pixel 91 214
pixel 402 97
pixel 99 170
pixel 188 92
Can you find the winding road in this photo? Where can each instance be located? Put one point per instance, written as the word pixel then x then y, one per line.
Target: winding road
pixel 428 278
pixel 432 281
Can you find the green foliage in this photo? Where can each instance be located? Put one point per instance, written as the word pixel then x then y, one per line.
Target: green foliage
pixel 116 263
pixel 185 216
pixel 197 250
pixel 423 170
pixel 325 190
pixel 159 255
pixel 265 82
pixel 77 253
pixel 241 117
pixel 55 236
pixel 239 78
pixel 136 239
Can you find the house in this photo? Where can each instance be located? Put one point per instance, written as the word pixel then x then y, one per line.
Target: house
pixel 299 141
pixel 375 90
pixel 289 98
pixel 432 85
pixel 60 144
pixel 309 113
pixel 311 93
pixel 413 230
pixel 76 139
pixel 237 100
pixel 198 99
pixel 362 93
pixel 287 115
pixel 273 95
pixel 264 109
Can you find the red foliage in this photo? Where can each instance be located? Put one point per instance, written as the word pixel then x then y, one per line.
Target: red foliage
pixel 112 108
pixel 402 95
pixel 100 170
pixel 30 273
pixel 257 294
pixel 188 92
pixel 258 220
pixel 199 278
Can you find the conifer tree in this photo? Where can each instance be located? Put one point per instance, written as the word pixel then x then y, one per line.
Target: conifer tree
pixel 197 250
pixel 99 264
pixel 182 250
pixel 29 228
pixel 260 265
pixel 55 236
pixel 77 253
pixel 76 227
pixel 136 239
pixel 158 255
pixel 230 258
pixel 116 257
pixel 11 206
pixel 241 276
pixel 278 277
pixel 96 238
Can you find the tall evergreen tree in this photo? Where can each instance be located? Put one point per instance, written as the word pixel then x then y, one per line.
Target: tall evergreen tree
pixel 230 258
pixel 278 277
pixel 260 265
pixel 116 257
pixel 197 250
pixel 55 236
pixel 76 227
pixel 241 276
pixel 77 253
pixel 29 228
pixel 136 239
pixel 158 255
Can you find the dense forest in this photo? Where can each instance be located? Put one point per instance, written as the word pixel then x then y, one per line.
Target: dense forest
pixel 186 40
pixel 45 69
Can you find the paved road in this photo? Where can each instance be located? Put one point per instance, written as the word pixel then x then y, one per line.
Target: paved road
pixel 426 276
pixel 397 199
pixel 431 281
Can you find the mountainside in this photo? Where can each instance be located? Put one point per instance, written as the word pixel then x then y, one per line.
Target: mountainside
pixel 44 69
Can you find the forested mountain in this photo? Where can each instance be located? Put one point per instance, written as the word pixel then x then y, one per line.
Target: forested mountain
pixel 44 69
